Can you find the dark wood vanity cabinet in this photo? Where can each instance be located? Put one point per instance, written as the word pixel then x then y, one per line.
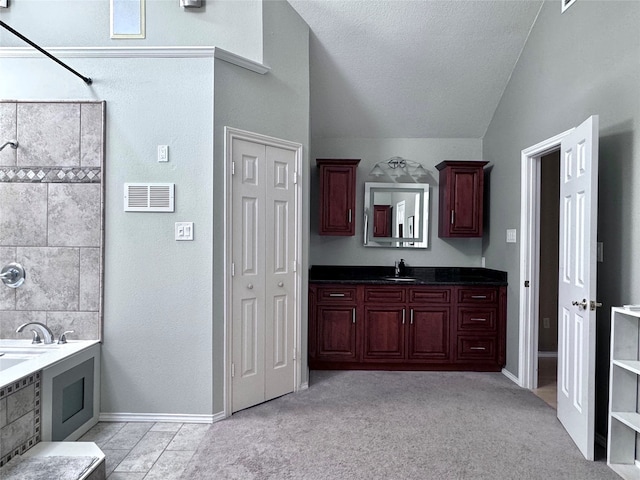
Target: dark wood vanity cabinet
pixel 337 196
pixel 461 190
pixel 407 327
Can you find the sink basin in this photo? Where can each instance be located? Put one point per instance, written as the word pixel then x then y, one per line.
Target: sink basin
pixel 400 279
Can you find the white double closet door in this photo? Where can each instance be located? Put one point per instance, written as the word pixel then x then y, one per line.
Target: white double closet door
pixel 264 234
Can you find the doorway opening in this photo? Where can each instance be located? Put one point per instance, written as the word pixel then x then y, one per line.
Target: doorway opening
pixel 549 233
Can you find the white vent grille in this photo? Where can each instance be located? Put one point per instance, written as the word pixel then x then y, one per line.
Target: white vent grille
pixel 149 197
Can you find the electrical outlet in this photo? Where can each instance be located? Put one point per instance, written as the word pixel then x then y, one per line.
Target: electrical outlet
pixel 511 235
pixel 546 323
pixel 163 153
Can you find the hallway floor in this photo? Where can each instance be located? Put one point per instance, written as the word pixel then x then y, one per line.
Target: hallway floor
pixel 548 381
pixel 149 451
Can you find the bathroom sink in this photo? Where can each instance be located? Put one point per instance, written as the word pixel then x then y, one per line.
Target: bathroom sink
pixel 400 279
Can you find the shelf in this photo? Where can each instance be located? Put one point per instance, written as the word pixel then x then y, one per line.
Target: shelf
pixel 630 419
pixel 630 365
pixel 628 472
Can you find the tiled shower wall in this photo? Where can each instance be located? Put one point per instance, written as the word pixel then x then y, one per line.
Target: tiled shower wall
pixel 51 215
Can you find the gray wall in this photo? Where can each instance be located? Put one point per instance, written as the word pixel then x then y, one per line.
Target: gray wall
pixel 276 104
pixel 234 25
pixel 329 250
pixel 580 63
pixel 158 352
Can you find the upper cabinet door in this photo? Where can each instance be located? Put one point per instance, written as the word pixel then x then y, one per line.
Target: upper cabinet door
pixel 337 196
pixel 461 198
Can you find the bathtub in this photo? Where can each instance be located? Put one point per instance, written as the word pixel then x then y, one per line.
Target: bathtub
pixel 57 391
pixel 22 358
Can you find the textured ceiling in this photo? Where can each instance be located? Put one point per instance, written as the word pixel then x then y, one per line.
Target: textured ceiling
pixel 411 68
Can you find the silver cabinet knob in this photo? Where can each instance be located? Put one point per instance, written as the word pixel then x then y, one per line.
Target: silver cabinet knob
pixel 280 284
pixel 250 286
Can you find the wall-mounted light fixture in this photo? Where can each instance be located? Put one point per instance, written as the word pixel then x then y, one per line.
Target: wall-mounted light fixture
pixel 398 169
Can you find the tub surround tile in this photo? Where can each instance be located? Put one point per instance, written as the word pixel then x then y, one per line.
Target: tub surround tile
pixel 128 436
pixel 49 134
pixel 16 433
pixel 3 412
pixel 53 274
pixel 11 320
pixel 21 403
pixel 142 457
pixel 23 216
pixel 189 436
pixel 73 215
pixel 90 279
pixel 9 131
pixel 91 128
pixel 7 295
pixel 85 325
pixel 170 465
pixel 50 174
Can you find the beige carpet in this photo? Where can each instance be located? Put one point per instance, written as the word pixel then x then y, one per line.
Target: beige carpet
pixel 395 425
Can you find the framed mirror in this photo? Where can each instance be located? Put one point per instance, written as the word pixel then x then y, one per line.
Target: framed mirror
pixel 396 215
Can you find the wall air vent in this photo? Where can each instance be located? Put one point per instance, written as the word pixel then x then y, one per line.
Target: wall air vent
pixel 149 197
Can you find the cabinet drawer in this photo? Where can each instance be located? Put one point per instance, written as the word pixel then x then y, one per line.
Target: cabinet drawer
pixel 384 294
pixel 478 295
pixel 429 295
pixel 337 294
pixel 477 319
pixel 476 348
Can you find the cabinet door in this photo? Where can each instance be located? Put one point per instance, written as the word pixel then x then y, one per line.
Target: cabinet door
pixel 382 220
pixel 429 337
pixel 461 199
pixel 384 332
pixel 337 197
pixel 336 333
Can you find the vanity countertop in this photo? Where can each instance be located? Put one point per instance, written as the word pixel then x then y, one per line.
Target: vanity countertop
pixel 377 275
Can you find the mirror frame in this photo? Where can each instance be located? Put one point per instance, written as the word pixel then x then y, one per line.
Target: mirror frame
pixel 422 241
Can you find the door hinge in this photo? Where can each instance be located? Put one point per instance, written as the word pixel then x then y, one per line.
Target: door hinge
pixel 233 269
pixel 233 168
pixel 294 354
pixel 233 370
pixel 295 178
pixel 295 266
pixel 526 284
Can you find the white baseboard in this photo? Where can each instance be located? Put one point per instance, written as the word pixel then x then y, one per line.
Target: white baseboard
pixel 160 417
pixel 304 386
pixel 511 376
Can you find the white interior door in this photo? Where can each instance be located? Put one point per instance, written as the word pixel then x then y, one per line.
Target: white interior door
pixel 577 284
pixel 263 279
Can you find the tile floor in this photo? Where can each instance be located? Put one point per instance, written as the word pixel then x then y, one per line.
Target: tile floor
pixel 548 380
pixel 149 451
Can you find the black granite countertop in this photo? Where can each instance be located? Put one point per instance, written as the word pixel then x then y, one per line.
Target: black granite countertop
pixel 373 275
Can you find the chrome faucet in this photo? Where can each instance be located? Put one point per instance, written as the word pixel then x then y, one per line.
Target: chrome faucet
pixel 42 328
pixel 397 269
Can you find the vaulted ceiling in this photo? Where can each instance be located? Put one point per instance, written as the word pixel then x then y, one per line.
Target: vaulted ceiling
pixel 411 68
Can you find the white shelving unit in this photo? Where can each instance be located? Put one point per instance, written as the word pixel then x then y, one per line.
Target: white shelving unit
pixel 623 445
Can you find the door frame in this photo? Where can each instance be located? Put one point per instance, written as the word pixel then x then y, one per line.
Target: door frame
pixel 530 257
pixel 231 134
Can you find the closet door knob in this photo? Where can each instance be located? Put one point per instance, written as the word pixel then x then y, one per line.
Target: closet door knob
pixel 280 284
pixel 250 286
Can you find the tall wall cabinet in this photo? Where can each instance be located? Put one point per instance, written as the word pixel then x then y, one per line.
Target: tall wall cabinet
pixel 624 418
pixel 337 196
pixel 461 189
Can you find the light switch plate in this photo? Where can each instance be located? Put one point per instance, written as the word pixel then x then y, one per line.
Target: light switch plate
pixel 511 235
pixel 163 153
pixel 184 231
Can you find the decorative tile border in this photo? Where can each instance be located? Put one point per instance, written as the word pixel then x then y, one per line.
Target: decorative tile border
pixel 51 175
pixel 6 391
